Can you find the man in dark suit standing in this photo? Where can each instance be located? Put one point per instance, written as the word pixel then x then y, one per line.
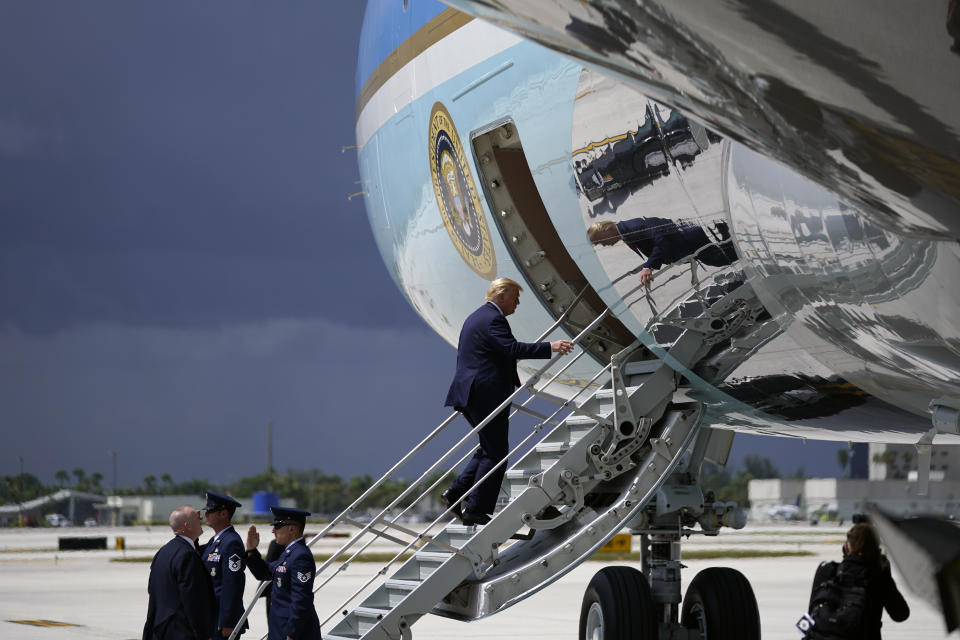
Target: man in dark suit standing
pixel 292 614
pixel 181 603
pixel 486 375
pixel 224 559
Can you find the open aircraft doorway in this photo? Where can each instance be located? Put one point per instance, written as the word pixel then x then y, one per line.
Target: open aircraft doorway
pixel 522 220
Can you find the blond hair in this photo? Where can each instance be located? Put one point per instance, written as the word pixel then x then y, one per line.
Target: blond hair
pixel 501 285
pixel 599 229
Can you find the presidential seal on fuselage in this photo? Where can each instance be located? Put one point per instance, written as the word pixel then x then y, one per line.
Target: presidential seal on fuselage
pixel 457 196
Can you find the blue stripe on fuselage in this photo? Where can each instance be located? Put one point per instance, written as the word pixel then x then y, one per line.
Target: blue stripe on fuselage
pixel 385 26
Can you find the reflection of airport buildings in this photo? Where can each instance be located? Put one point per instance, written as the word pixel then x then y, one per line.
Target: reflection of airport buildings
pixel 885 476
pixel 639 157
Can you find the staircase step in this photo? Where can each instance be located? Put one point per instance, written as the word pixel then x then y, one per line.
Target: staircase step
pixel 518 480
pixel 572 429
pixel 398 589
pixel 331 636
pixel 458 534
pixel 422 565
pixel 370 613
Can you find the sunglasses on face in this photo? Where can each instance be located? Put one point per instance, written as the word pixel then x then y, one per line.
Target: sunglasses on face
pixel 279 524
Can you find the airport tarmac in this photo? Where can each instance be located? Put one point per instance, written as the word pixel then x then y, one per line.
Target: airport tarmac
pixel 106 599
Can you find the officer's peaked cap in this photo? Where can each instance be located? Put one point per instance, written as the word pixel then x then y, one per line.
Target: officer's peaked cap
pixel 217 501
pixel 287 514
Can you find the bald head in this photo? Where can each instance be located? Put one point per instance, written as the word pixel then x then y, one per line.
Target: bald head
pixel 185 521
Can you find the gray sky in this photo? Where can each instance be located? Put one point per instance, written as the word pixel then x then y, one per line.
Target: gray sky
pixel 179 263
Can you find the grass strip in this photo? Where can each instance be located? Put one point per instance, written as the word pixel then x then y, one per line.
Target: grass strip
pixel 702 554
pixel 319 557
pixel 600 556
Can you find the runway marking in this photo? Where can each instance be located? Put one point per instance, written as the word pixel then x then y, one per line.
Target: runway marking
pixel 44 623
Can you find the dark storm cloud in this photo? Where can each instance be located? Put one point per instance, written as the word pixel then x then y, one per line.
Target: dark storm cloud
pixel 179 263
pixel 179 164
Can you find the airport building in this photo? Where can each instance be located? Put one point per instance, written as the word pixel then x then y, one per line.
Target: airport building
pixel 891 485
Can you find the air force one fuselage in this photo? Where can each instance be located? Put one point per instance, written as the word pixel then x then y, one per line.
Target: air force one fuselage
pixel 794 198
pixel 483 154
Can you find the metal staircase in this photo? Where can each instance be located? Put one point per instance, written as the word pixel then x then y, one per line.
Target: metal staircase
pixel 593 471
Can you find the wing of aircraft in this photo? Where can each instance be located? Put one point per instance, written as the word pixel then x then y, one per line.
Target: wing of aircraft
pixel 745 214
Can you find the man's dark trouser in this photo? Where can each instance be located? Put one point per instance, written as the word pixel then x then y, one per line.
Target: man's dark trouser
pixel 494 446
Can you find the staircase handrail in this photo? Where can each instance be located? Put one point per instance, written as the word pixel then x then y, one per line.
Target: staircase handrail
pixel 433 434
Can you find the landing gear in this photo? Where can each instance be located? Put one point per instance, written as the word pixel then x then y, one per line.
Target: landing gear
pixel 618 606
pixel 622 602
pixel 720 604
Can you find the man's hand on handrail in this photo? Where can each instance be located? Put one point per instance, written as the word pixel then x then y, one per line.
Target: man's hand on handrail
pixel 563 347
pixel 646 277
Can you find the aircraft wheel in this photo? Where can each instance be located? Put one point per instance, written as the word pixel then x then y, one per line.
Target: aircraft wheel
pixel 617 605
pixel 720 604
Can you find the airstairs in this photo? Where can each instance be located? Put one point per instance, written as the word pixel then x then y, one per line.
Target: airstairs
pixel 598 463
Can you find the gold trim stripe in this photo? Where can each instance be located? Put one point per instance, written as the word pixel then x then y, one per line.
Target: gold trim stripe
pixel 594 145
pixel 442 25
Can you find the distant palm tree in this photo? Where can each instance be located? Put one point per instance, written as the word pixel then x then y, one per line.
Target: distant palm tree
pixel 167 480
pixel 95 479
pixel 843 457
pixel 62 477
pixel 150 484
pixel 81 477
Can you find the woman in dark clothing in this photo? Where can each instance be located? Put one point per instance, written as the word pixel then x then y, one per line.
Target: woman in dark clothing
pixel 864 566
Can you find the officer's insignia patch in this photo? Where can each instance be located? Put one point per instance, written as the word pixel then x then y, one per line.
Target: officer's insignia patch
pixel 456 196
pixel 234 562
pixel 303 577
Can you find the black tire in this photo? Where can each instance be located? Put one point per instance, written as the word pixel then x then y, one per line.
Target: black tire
pixel 721 604
pixel 618 598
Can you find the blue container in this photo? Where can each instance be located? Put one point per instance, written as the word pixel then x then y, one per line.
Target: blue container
pixel 263 500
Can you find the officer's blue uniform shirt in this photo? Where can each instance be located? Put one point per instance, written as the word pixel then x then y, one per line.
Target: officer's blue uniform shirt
pixel 291 609
pixel 224 558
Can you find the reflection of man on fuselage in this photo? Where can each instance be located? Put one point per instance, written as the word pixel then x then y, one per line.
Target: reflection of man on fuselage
pixel 662 241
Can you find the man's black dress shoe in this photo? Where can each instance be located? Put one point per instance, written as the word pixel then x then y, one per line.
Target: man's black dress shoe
pixel 449 500
pixel 471 518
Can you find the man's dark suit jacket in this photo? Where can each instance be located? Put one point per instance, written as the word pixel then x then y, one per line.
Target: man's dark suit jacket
pixel 487 357
pixel 182 605
pixel 662 241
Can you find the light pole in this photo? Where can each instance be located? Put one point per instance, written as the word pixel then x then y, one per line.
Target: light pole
pixel 20 501
pixel 113 457
pixel 116 507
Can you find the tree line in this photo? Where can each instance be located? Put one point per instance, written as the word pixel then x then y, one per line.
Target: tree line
pixel 324 493
pixel 312 489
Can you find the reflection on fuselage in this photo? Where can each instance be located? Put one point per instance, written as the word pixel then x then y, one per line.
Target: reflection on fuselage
pixel 638 157
pixel 853 295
